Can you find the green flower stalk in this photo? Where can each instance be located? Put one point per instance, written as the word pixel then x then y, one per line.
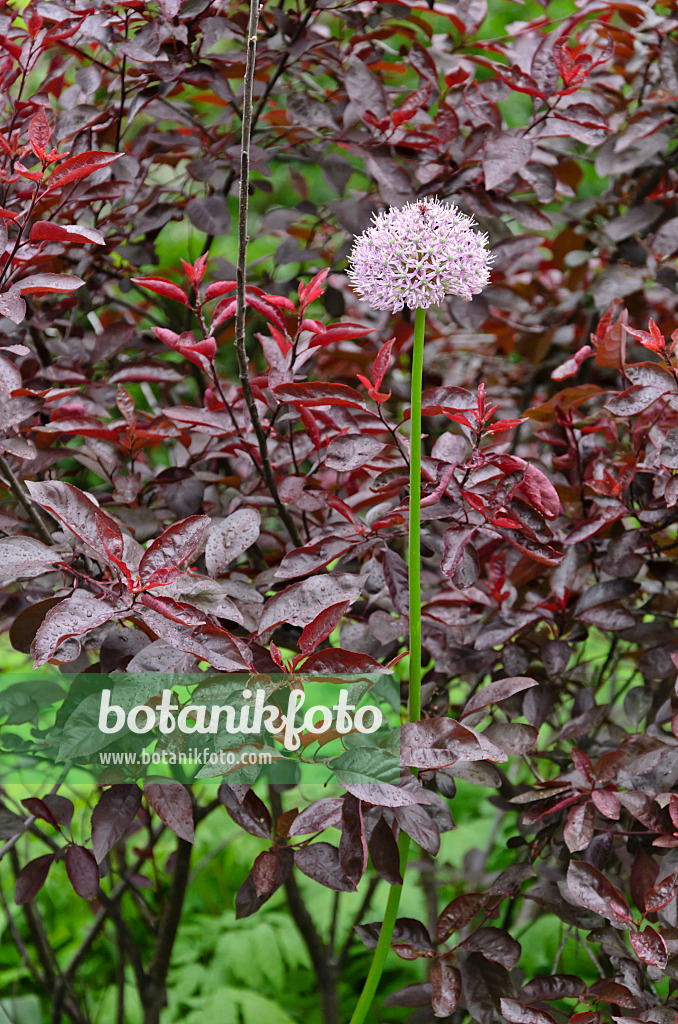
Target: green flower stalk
pixel 414 256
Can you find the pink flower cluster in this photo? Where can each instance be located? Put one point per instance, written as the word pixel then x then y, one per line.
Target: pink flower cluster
pixel 416 255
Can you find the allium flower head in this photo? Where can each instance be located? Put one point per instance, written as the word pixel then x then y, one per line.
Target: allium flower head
pixel 416 255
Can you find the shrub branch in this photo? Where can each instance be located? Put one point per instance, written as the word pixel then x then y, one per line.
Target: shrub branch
pixel 241 277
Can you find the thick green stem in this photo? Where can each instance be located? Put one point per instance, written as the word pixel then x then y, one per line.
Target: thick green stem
pixel 414 714
pixel 414 549
pixel 384 944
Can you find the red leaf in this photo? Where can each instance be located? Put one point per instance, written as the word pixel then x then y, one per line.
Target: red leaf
pixel 172 803
pixel 82 871
pixel 77 511
pixel 662 893
pixel 266 309
pixel 217 288
pixel 46 231
pixel 39 133
pixel 313 290
pixel 162 287
pixel 162 558
pixel 201 353
pixel 571 365
pixel 47 284
pixel 334 661
pixel 381 363
pixel 80 166
pixel 11 47
pixel 501 425
pixel 649 947
pixel 321 626
pixel 175 611
pixel 311 395
pixel 12 305
pixel 26 173
pixel 339 332
pixel 578 831
pixel 654 340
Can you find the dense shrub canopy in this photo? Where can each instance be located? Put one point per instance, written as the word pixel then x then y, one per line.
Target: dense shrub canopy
pixel 167 509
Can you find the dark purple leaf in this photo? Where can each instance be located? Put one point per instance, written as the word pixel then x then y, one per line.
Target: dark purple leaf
pixel 496 692
pixel 446 985
pixel 334 661
pixel 39 809
pixel 459 913
pixel 265 872
pixel 550 987
pixel 396 576
pixel 578 830
pixel 504 156
pixel 61 807
pixel 247 901
pixel 661 894
pixel 320 861
pixel 310 396
pixel 419 825
pixel 318 816
pixel 591 889
pixel 250 813
pixel 25 558
pixel 418 994
pixel 517 1013
pixel 31 878
pixel 72 617
pixel 352 844
pixel 495 944
pixel 484 983
pixel 455 540
pixel 229 539
pixel 172 803
pixel 300 604
pixel 82 871
pixel 384 853
pixel 115 811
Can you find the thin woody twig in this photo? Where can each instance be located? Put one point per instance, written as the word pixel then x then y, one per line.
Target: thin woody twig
pixel 241 276
pixel 23 499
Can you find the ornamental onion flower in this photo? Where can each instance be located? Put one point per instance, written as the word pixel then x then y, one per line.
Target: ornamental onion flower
pixel 416 255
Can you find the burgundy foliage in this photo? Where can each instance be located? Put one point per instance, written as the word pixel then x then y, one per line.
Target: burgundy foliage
pixel 550 560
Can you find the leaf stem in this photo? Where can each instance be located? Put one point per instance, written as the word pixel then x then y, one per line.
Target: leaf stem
pixel 414 713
